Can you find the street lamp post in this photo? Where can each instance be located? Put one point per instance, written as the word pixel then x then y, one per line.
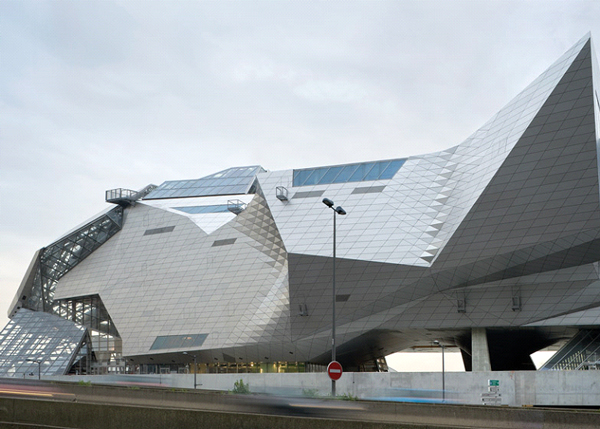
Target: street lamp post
pixel 437 343
pixel 340 211
pixel 195 367
pixel 39 363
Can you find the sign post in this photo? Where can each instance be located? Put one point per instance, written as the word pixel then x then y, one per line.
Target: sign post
pixel 334 370
pixel 493 395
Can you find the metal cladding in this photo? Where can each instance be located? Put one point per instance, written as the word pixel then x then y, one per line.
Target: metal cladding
pixel 500 232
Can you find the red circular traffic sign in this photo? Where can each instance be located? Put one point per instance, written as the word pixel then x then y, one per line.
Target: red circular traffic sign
pixel 334 370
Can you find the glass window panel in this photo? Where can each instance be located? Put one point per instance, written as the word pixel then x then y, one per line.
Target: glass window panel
pixel 376 171
pixel 392 169
pixel 204 209
pixel 361 172
pixel 178 341
pixel 315 177
pixel 158 343
pixel 199 340
pixel 358 174
pixel 227 182
pixel 330 174
pixel 53 342
pixel 346 173
pixel 300 176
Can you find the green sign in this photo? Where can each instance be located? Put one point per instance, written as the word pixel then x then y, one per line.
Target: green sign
pixel 493 382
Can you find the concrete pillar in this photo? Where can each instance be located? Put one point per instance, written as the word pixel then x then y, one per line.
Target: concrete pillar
pixel 479 350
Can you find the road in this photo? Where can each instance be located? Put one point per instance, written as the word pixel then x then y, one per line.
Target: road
pixel 311 409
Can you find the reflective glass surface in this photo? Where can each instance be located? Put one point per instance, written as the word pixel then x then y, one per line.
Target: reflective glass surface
pixel 178 341
pixel 89 311
pixel 35 342
pixel 63 255
pixel 233 181
pixel 220 208
pixel 378 170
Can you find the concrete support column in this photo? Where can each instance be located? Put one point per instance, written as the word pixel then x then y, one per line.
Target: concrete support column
pixel 479 350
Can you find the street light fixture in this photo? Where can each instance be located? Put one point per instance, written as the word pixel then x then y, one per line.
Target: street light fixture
pixel 437 343
pixel 340 211
pixel 39 362
pixel 195 367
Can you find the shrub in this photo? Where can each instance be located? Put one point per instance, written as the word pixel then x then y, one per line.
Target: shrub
pixel 347 397
pixel 240 387
pixel 311 393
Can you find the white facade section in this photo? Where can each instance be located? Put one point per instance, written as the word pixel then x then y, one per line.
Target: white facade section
pixel 420 208
pixel 184 281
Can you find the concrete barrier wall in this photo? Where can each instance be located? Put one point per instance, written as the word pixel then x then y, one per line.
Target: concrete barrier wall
pixel 515 388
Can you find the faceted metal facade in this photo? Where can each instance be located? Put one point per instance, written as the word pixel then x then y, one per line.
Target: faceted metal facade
pixel 500 232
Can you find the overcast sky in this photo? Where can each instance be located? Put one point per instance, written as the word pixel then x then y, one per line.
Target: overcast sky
pixel 104 94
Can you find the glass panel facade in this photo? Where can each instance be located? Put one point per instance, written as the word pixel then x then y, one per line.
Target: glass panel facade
pixel 231 368
pixel 379 170
pixel 234 181
pixel 391 170
pixel 104 338
pixel 221 208
pixel 346 173
pixel 63 255
pixel 88 311
pixel 35 343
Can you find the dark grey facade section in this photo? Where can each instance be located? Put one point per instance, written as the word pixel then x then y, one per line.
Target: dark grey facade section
pixel 368 189
pixel 224 242
pixel 547 188
pixel 307 194
pixel 162 230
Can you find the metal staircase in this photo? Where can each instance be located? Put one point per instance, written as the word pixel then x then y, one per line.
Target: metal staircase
pixel 582 352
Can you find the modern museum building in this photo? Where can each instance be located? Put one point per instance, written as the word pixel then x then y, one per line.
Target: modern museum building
pixel 491 246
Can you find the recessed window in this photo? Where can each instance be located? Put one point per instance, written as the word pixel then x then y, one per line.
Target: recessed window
pixel 178 341
pixel 368 189
pixel 220 208
pixel 159 230
pixel 224 242
pixel 308 194
pixel 342 298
